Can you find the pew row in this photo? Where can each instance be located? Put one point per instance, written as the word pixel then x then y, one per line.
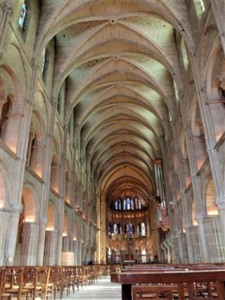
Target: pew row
pixel 191 284
pixel 37 283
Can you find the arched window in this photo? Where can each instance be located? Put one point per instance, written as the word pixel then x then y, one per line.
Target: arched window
pixel 138 229
pixel 131 204
pixel 199 7
pixel 23 15
pixel 116 204
pixel 125 204
pixel 119 228
pixel 143 233
pixel 119 204
pixel 5 111
pixel 45 65
pixel 176 91
pixel 61 99
pixel 143 256
pixel 184 53
pixel 139 204
pixel 110 229
pixel 67 187
pixel 129 228
pixel 115 229
pixel 136 203
pixel 31 148
pixel 128 203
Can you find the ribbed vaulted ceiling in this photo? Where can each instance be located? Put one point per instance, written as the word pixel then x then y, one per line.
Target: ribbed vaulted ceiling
pixel 119 59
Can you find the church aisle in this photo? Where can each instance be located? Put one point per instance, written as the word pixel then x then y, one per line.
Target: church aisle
pixel 103 289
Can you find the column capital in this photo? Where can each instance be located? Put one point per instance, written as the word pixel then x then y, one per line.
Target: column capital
pixel 188 225
pixel 220 203
pixel 31 224
pixel 200 217
pixel 7 7
pixel 16 210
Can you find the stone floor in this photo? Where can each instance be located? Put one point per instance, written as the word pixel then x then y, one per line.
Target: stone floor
pixel 103 289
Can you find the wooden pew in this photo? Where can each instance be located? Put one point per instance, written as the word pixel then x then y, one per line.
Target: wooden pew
pixel 184 279
pixel 155 292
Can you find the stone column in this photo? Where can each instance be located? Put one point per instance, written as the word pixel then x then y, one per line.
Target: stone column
pixel 75 250
pixel 163 253
pixel 65 244
pixel 174 248
pixel 221 208
pixel 41 243
pixel 29 244
pixel 7 11
pixel 194 235
pixel 77 254
pixel 168 252
pixel 202 238
pixel 50 248
pixel 59 248
pixel 189 244
pixel 180 248
pixel 83 254
pixel 10 246
pixel 4 217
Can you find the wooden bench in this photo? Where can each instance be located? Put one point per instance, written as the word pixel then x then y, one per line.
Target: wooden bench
pixel 189 282
pixel 156 292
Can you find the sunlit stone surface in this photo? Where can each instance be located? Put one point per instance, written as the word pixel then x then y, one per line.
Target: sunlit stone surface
pixel 102 289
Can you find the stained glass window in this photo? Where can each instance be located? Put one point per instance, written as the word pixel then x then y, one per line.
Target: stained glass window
pixel 23 14
pixel 45 64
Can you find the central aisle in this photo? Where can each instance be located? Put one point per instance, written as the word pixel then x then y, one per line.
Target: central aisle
pixel 103 289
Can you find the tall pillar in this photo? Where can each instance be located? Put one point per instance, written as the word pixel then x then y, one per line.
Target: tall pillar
pixel 59 248
pixel 29 244
pixel 84 254
pixel 221 209
pixel 41 243
pixel 202 239
pixel 174 248
pixel 189 244
pixel 7 11
pixel 4 217
pixel 10 246
pixel 214 156
pixel 169 259
pixel 75 250
pixel 180 248
pixel 65 244
pixel 79 249
pixel 50 247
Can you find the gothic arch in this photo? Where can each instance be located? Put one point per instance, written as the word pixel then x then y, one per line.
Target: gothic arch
pixel 194 213
pixel 67 182
pixel 55 168
pixel 51 216
pixel 31 205
pixel 10 108
pixel 185 160
pixel 36 144
pixel 210 198
pixel 215 87
pixel 198 135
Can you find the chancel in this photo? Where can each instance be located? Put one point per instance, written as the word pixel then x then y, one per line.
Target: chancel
pixel 112 148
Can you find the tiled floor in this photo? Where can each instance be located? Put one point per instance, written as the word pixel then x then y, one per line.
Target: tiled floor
pixel 103 289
